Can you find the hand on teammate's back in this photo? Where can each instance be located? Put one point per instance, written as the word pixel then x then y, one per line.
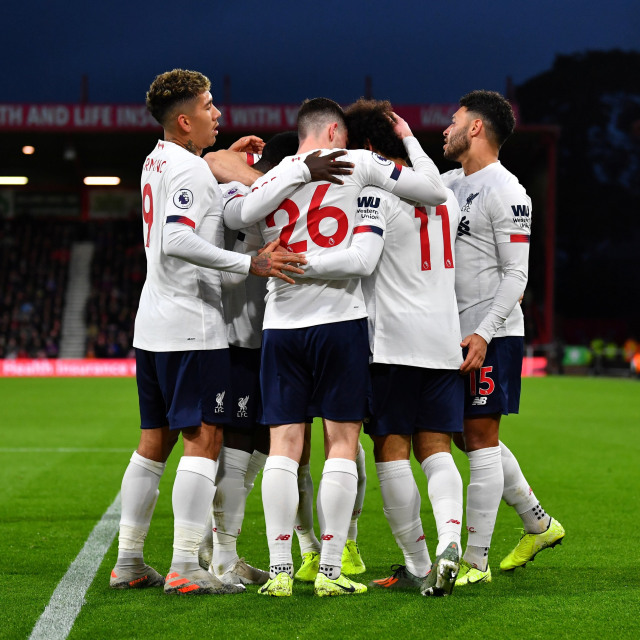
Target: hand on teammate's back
pixel 326 169
pixel 272 260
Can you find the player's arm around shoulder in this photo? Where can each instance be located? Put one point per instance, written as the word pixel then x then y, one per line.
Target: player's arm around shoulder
pixel 360 258
pixel 278 184
pixel 229 166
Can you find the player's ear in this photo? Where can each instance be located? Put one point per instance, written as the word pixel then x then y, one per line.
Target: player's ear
pixel 184 123
pixel 476 127
pixel 333 127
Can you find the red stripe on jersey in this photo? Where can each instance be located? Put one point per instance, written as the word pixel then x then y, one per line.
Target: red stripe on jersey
pixel 367 228
pixel 395 174
pixel 250 159
pixel 520 238
pixel 182 220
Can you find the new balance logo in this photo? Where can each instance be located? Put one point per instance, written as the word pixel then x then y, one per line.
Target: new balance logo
pixel 220 401
pixel 463 227
pixel 368 203
pixel 479 402
pixel 467 206
pixel 453 521
pixel 421 538
pixel 242 407
pixel 283 536
pixel 327 536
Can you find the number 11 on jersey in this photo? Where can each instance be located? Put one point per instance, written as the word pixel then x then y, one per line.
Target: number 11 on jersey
pixel 425 244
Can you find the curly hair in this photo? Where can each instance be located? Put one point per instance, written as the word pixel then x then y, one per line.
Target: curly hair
pixel 370 122
pixel 174 88
pixel 494 110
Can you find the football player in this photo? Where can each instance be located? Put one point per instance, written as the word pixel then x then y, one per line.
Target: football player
pixel 315 345
pixel 492 254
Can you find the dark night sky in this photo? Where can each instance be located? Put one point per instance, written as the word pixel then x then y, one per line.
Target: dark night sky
pixel 283 52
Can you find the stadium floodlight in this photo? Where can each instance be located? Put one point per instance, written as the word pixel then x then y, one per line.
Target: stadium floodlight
pixel 103 181
pixel 28 150
pixel 4 180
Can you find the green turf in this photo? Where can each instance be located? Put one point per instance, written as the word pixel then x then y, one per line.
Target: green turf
pixel 577 440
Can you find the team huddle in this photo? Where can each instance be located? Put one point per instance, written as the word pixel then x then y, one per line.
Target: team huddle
pixel 386 295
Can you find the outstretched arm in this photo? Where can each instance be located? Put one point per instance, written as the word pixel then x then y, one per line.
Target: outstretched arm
pixel 278 184
pixel 423 184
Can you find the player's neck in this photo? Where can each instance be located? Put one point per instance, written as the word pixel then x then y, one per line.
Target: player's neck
pixel 473 162
pixel 311 143
pixel 187 143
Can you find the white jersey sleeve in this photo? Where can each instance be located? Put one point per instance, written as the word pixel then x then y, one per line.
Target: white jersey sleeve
pixel 266 193
pixel 367 241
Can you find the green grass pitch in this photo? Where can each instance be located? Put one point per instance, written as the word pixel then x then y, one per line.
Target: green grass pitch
pixel 578 443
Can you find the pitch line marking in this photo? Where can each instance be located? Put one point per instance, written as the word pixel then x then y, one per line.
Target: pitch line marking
pixel 60 614
pixel 61 450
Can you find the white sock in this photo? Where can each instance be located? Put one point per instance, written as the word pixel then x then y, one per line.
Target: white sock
pixel 401 500
pixel 193 492
pixel 362 486
pixel 336 497
pixel 484 493
pixel 139 494
pixel 228 507
pixel 280 502
pixel 304 517
pixel 256 464
pixel 518 494
pixel 445 495
pixel 206 545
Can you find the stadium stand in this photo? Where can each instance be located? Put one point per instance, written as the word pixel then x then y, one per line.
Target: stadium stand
pixel 117 275
pixel 34 261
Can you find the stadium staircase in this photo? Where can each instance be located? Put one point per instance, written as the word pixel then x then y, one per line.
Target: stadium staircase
pixel 74 328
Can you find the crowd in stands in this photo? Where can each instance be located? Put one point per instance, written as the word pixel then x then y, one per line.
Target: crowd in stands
pixel 117 275
pixel 34 261
pixel 34 257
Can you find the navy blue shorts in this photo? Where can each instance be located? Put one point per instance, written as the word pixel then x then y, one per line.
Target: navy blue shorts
pixel 319 371
pixel 410 399
pixel 495 388
pixel 183 388
pixel 246 406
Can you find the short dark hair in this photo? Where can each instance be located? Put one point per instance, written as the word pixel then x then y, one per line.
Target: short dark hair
pixel 174 88
pixel 494 110
pixel 369 122
pixel 277 148
pixel 317 112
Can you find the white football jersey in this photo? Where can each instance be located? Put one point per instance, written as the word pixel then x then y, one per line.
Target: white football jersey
pixel 410 296
pixel 495 209
pixel 318 217
pixel 243 302
pixel 179 309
